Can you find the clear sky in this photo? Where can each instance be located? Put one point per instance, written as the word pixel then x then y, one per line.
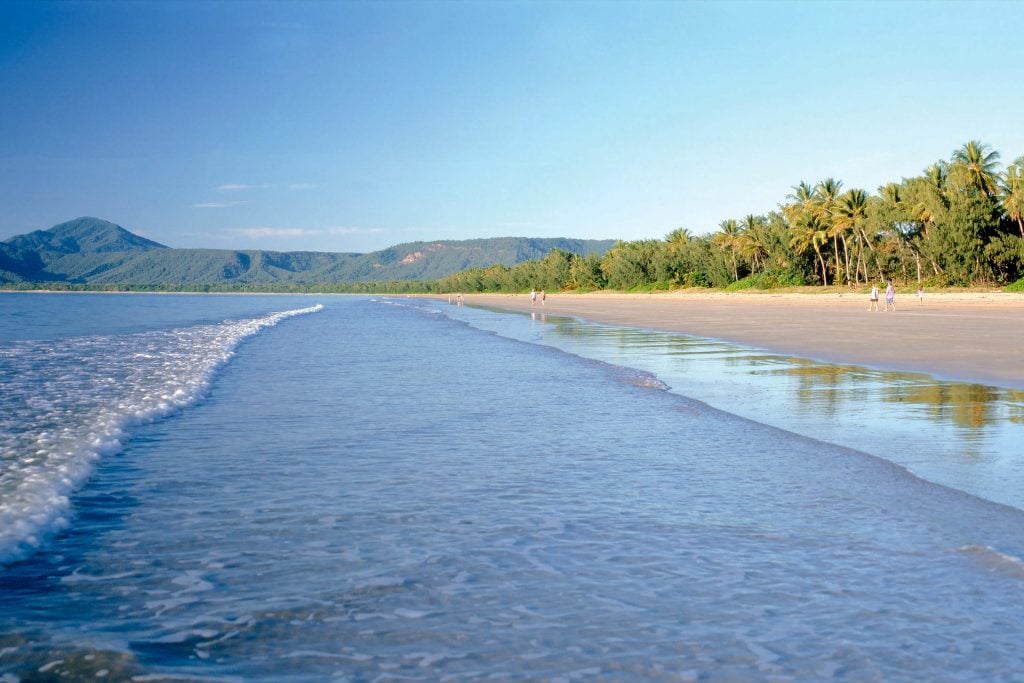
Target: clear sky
pixel 352 126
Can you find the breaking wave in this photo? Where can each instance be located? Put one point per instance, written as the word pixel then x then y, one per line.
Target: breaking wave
pixel 66 403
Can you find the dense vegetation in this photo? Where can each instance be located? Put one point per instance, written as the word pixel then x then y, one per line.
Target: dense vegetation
pixel 96 254
pixel 960 223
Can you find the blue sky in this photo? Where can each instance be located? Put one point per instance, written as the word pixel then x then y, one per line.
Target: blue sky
pixel 352 126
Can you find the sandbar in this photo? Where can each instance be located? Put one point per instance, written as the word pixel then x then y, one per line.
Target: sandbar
pixel 969 337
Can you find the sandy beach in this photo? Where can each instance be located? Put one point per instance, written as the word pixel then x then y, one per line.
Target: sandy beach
pixel 973 337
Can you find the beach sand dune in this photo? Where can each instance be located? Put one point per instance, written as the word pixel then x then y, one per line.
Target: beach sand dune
pixel 973 337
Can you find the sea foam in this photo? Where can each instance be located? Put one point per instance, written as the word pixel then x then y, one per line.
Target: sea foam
pixel 67 403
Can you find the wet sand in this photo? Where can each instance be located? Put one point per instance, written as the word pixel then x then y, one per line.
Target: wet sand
pixel 973 337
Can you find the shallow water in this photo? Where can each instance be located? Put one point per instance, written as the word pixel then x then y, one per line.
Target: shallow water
pixel 70 400
pixel 963 435
pixel 375 491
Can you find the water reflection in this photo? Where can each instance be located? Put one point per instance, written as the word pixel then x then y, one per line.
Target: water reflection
pixel 963 435
pixel 830 387
pixel 1016 405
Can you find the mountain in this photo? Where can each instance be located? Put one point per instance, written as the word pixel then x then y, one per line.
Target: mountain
pixel 83 235
pixel 97 252
pixel 38 256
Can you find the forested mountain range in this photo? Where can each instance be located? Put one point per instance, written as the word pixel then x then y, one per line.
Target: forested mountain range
pixel 92 251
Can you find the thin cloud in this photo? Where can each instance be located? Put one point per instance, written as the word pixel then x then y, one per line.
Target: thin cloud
pixel 262 233
pixel 216 205
pixel 301 186
pixel 339 230
pixel 219 237
pixel 238 187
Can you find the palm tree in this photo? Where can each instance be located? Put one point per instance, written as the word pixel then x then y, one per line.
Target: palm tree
pixel 678 237
pixel 672 264
pixel 805 229
pixel 828 192
pixel 808 234
pixel 937 175
pixel 900 227
pixel 933 201
pixel 802 194
pixel 891 193
pixel 850 214
pixel 753 241
pixel 728 239
pixel 1012 192
pixel 979 161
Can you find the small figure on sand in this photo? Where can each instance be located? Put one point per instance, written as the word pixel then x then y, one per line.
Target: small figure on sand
pixel 874 299
pixel 533 296
pixel 543 297
pixel 920 294
pixel 890 296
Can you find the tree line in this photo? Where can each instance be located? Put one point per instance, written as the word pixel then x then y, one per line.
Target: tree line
pixel 959 223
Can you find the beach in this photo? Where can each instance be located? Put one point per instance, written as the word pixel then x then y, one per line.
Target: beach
pixel 971 337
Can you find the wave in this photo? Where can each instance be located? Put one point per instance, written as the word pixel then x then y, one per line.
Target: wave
pixel 641 379
pixel 69 402
pixel 995 560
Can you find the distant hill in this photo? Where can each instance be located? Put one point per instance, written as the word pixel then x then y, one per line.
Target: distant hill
pixel 97 252
pixel 83 235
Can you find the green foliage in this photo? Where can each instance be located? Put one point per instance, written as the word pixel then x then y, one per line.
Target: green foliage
pixel 694 278
pixel 740 285
pixel 1017 286
pixel 629 265
pixel 91 251
pixel 960 222
pixel 585 273
pixel 650 287
pixel 773 279
pixel 958 241
pixel 83 235
pixel 1004 253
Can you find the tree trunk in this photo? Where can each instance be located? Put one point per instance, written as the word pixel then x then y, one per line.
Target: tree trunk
pixel 874 255
pixel 846 258
pixel 839 266
pixel 824 272
pixel 866 240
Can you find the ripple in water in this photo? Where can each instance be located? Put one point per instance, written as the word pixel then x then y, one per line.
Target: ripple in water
pixel 69 402
pixel 381 493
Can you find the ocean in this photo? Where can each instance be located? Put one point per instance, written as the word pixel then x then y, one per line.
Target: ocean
pixel 285 488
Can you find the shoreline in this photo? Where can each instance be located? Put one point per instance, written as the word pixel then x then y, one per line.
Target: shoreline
pixel 967 337
pixel 960 336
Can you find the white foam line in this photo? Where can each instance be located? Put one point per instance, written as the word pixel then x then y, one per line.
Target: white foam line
pixel 79 406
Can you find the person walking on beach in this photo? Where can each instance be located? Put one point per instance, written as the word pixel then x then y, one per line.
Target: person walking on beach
pixel 920 294
pixel 890 296
pixel 543 297
pixel 874 299
pixel 533 296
